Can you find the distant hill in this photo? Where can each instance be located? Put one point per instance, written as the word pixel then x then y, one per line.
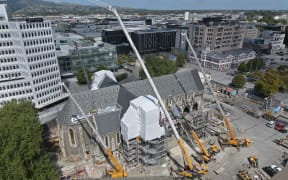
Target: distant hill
pixel 82 2
pixel 39 7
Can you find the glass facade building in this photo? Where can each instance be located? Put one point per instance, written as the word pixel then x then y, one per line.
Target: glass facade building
pixel 89 56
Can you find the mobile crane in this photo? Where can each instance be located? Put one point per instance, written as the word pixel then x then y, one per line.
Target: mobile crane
pixel 118 170
pixel 206 154
pixel 231 138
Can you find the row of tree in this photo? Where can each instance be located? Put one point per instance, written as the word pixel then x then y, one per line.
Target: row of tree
pixel 252 65
pixel 267 83
pixel 156 65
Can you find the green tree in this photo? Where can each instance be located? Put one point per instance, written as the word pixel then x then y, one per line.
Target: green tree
pixel 255 64
pixel 269 84
pixel 243 67
pixel 281 68
pixel 180 61
pixel 125 58
pixel 121 77
pixel 158 66
pixel 102 67
pixel 80 76
pixel 22 153
pixel 238 81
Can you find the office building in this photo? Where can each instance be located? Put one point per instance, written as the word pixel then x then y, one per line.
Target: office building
pixel 28 63
pixel 91 56
pixel 154 40
pixel 223 61
pixel 251 32
pixel 187 16
pixel 114 36
pixel 180 41
pixel 275 39
pixel 217 34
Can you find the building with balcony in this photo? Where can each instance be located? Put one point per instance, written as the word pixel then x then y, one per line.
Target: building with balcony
pixel 225 60
pixel 275 39
pixel 28 63
pixel 251 32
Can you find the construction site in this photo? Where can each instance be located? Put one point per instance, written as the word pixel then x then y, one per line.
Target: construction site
pixel 169 127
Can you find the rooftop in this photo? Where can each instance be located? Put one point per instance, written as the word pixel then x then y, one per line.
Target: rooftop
pixel 225 54
pixel 120 95
pixel 154 31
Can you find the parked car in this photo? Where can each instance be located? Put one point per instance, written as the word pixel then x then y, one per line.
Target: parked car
pixel 270 171
pixel 278 169
pixel 270 124
pixel 281 127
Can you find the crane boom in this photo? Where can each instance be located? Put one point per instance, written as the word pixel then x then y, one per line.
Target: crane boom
pixel 201 146
pixel 118 170
pixel 205 77
pixel 231 133
pixel 179 139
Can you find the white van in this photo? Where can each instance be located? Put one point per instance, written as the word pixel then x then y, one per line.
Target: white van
pixel 270 124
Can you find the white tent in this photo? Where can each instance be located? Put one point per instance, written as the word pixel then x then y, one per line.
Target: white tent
pixel 142 119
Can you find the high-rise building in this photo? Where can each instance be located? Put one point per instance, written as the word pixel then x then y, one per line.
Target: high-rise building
pixel 28 63
pixel 154 40
pixel 218 35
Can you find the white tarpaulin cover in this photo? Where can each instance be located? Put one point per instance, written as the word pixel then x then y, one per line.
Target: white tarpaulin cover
pixel 99 76
pixel 142 119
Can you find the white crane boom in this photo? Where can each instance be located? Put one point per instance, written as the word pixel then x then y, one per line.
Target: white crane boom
pixel 114 11
pixel 85 116
pixel 205 77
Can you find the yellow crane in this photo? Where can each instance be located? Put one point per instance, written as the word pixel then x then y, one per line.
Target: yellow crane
pixel 118 170
pixel 231 139
pixel 205 154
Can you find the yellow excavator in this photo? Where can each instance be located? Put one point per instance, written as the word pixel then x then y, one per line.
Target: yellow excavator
pixel 118 171
pixel 206 155
pixel 253 161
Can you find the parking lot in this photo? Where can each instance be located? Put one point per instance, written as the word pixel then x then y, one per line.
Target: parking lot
pixel 276 59
pixel 263 147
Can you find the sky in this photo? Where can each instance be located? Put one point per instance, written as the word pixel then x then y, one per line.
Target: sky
pixel 201 4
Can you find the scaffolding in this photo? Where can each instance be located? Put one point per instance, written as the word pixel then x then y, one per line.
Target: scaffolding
pixel 140 152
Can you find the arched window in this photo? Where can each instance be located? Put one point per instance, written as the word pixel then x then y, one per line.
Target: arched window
pixel 72 137
pixel 107 141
